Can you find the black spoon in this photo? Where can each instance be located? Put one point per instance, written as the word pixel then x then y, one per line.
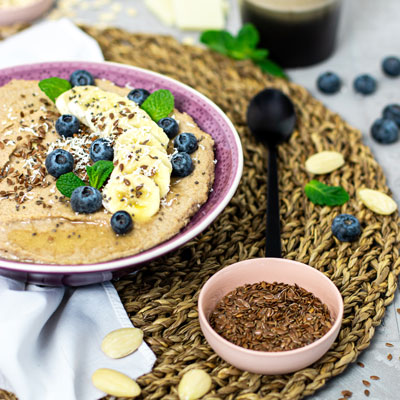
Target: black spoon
pixel 271 118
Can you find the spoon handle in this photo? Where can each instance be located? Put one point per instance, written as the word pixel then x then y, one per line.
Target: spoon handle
pixel 273 231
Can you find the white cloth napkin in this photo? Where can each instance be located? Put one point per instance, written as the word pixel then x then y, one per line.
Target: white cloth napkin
pixel 50 337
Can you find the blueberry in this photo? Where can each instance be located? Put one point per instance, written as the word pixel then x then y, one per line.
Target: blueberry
pixel 346 228
pixel 59 162
pixel 67 125
pixel 138 95
pixel 365 84
pixel 391 66
pixel 101 149
pixel 392 111
pixel 121 222
pixel 182 164
pixel 81 77
pixel 186 143
pixel 169 126
pixel 329 83
pixel 86 200
pixel 385 131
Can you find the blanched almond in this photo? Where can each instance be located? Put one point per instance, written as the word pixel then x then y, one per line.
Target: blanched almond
pixel 376 201
pixel 194 384
pixel 115 383
pixel 121 342
pixel 324 162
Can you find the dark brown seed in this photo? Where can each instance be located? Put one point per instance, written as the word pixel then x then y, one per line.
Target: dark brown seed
pixel 366 392
pixel 375 378
pixel 347 394
pixel 389 357
pixel 388 345
pixel 359 363
pixel 366 383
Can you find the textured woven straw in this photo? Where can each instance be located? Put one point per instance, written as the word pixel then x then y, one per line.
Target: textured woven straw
pixel 162 298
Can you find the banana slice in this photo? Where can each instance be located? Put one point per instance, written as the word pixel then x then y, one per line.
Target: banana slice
pixel 149 166
pixel 139 137
pixel 134 150
pixel 136 194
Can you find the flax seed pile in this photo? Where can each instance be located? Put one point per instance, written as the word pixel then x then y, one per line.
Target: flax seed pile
pixel 270 317
pixel 161 299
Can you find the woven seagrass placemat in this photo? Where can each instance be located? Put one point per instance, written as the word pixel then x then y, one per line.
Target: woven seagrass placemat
pixel 162 298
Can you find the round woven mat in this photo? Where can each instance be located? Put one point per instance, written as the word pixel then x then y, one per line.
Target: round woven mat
pixel 162 298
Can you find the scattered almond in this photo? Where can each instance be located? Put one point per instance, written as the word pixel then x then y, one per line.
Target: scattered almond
pixel 375 378
pixel 389 357
pixel 324 162
pixel 366 383
pixel 347 394
pixel 121 342
pixel 115 383
pixel 194 384
pixel 366 392
pixel 376 201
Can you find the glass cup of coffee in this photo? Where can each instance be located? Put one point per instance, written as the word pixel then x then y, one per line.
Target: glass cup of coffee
pixel 297 33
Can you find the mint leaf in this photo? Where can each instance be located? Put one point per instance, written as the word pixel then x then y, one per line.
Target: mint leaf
pixel 325 195
pixel 248 37
pixel 220 41
pixel 99 172
pixel 53 87
pixel 67 183
pixel 159 104
pixel 271 68
pixel 242 47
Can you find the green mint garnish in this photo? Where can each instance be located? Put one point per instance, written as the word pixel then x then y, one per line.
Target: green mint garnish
pixel 99 172
pixel 325 195
pixel 159 104
pixel 242 47
pixel 67 183
pixel 53 87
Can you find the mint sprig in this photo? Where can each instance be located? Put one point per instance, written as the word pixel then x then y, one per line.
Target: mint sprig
pixel 54 87
pixel 325 195
pixel 99 172
pixel 242 47
pixel 159 104
pixel 67 183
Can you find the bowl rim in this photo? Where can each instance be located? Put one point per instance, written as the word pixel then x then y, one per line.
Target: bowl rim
pixel 32 6
pixel 162 248
pixel 271 354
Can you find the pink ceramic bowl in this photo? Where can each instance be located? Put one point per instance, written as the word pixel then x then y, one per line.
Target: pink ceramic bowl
pixel 28 13
pixel 228 169
pixel 269 270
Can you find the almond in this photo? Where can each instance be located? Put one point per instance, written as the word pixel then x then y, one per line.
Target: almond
pixel 115 383
pixel 194 384
pixel 324 162
pixel 376 201
pixel 121 342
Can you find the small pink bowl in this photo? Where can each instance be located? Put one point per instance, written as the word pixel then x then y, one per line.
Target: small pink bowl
pixel 28 13
pixel 269 270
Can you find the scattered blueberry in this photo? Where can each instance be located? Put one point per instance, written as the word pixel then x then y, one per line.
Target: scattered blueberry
pixel 81 77
pixel 392 111
pixel 329 83
pixel 182 164
pixel 86 200
pixel 385 131
pixel 59 162
pixel 121 222
pixel 101 149
pixel 67 125
pixel 186 143
pixel 169 125
pixel 391 66
pixel 138 95
pixel 365 84
pixel 346 228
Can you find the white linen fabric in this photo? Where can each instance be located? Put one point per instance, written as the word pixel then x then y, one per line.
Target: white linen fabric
pixel 50 338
